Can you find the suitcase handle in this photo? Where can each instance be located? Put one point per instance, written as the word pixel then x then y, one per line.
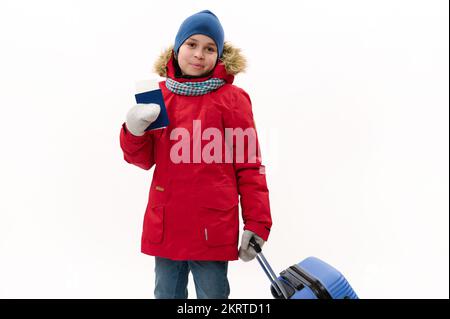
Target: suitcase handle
pixel 277 285
pixel 255 245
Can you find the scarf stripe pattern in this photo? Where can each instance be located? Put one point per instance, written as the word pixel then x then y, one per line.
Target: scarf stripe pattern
pixel 194 88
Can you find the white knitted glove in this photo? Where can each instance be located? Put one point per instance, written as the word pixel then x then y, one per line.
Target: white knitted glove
pixel 246 252
pixel 140 116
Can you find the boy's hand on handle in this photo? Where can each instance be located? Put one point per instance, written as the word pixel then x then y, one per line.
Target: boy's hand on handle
pixel 246 252
pixel 140 116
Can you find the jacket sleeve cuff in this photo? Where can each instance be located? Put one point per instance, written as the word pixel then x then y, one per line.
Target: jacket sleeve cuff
pixel 259 229
pixel 133 138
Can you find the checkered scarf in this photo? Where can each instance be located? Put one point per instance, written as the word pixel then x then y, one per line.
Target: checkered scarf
pixel 194 88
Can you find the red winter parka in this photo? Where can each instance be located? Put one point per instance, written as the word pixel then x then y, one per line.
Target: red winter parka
pixel 193 205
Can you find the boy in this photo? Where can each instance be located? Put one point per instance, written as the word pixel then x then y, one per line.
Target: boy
pixel 205 159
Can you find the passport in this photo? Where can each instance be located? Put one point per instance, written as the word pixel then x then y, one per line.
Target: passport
pixel 148 91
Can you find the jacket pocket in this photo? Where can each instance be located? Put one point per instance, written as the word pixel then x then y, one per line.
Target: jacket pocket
pixel 220 220
pixel 154 224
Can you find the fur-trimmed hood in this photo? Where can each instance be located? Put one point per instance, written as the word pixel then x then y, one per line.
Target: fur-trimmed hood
pixel 232 59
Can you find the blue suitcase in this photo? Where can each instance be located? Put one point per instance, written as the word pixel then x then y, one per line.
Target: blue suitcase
pixel 311 278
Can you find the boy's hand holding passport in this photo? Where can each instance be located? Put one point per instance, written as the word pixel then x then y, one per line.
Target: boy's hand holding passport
pixel 150 111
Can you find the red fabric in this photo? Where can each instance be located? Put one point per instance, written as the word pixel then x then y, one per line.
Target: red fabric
pixel 193 208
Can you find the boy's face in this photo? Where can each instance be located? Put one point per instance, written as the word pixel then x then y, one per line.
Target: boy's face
pixel 197 55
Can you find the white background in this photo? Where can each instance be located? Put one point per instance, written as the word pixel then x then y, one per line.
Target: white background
pixel 350 99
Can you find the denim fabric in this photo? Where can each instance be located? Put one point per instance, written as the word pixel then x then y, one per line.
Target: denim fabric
pixel 210 279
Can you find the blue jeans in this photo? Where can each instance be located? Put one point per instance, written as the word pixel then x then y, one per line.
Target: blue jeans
pixel 210 278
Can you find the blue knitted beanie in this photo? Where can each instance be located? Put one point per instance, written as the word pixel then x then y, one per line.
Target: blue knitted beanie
pixel 204 22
